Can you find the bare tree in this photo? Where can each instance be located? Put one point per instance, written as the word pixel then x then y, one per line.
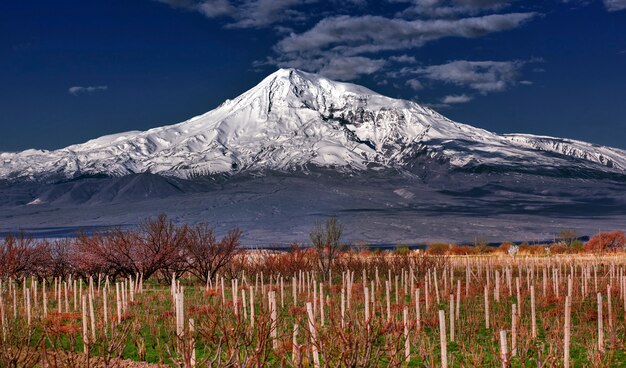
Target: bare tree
pixel 205 255
pixel 115 252
pixel 325 238
pixel 20 256
pixel 162 247
pixel 61 253
pixel 157 246
pixel 568 236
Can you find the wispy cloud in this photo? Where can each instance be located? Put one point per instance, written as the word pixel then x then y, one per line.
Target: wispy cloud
pixel 243 14
pixel 78 90
pixel 456 99
pixel 452 8
pixel 362 36
pixel 615 5
pixel 481 76
pixel 261 13
pixel 403 59
pixel 214 8
pixel 347 47
pixel 414 84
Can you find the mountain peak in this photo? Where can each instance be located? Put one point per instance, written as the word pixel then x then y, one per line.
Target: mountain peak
pixel 293 119
pixel 301 81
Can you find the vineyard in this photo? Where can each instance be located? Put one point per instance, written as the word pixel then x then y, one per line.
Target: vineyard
pixel 368 310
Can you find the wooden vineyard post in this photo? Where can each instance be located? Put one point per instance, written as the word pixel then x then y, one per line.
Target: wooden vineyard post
pixel 33 284
pixel 533 316
pixel 244 303
pixel 458 299
pixel 105 309
pixel 223 290
pixel 504 353
pixel 600 328
pixel 92 317
pixel 442 339
pixel 437 288
pixel 251 307
pixel 273 320
pixel 235 295
pixel 544 282
pixel 343 307
pixel 426 295
pixel 45 300
pixel 349 290
pixel 519 294
pixel 609 307
pixel 396 290
pixel 407 342
pixel 388 301
pixel 180 315
pixel 496 289
pixel 372 297
pixel 131 288
pixel 3 319
pixel 322 303
pixel 312 331
pixel 451 315
pixel 315 297
pixel 67 304
pixel 366 295
pixel 467 279
pixel 418 314
pixel 566 334
pixel 486 308
pixel 192 343
pixel 514 330
pixel 85 332
pixel 28 312
pixel 295 351
pixel 118 301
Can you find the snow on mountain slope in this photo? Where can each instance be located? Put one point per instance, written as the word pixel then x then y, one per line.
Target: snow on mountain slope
pixel 293 119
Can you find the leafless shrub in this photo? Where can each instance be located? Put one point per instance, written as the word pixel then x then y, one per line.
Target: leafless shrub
pixel 205 255
pixel 325 239
pixel 20 256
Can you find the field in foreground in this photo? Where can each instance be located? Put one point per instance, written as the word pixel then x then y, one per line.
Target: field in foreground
pixel 368 310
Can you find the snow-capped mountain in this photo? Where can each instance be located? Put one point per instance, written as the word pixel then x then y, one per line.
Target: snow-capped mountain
pixel 294 119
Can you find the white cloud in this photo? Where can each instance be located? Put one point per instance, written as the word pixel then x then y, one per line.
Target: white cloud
pixel 354 38
pixel 345 47
pixel 452 8
pixel 615 5
pixel 482 76
pixel 404 59
pixel 331 65
pixel 347 68
pixel 260 13
pixel 215 8
pixel 244 14
pixel 370 33
pixel 415 84
pixel 77 90
pixel 456 99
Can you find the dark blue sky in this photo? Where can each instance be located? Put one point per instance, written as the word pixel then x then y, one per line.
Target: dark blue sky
pixel 75 70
